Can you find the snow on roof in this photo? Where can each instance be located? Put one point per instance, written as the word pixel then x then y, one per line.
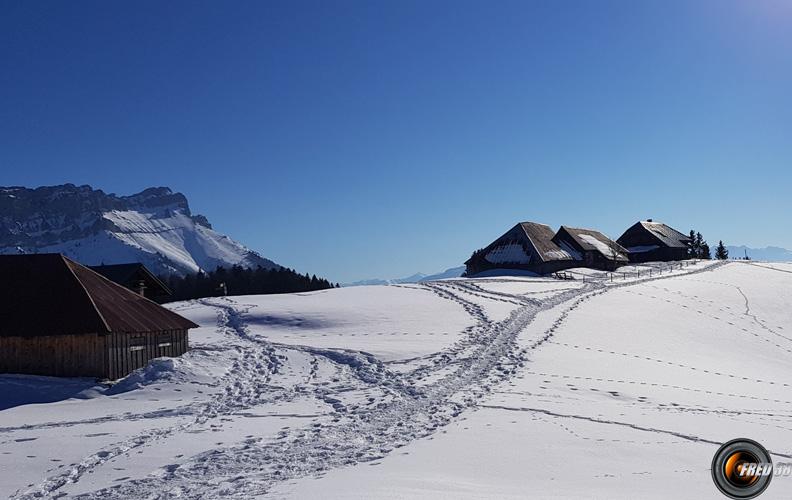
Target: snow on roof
pixel 541 237
pixel 601 246
pixel 571 251
pixel 643 248
pixel 509 253
pixel 666 234
pixel 590 239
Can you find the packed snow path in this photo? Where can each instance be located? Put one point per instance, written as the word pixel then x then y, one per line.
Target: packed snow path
pixel 359 375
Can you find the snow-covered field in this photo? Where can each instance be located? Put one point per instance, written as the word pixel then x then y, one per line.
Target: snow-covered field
pixel 498 387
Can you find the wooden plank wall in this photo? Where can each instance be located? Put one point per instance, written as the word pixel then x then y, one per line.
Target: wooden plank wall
pixel 111 356
pixel 130 351
pixel 55 355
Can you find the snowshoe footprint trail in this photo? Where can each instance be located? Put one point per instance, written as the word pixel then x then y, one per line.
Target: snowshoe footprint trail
pixel 405 405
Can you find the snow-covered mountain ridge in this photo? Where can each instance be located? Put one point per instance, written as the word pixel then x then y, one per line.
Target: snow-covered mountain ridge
pixel 770 254
pixel 155 227
pixel 453 272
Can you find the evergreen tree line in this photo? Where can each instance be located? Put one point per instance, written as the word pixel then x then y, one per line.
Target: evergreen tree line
pixel 240 280
pixel 699 249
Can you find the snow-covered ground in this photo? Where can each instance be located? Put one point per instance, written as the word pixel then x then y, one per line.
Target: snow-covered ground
pixel 497 387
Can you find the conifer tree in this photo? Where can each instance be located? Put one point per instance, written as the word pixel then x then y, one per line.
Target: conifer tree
pixel 699 244
pixel 692 250
pixel 720 252
pixel 705 251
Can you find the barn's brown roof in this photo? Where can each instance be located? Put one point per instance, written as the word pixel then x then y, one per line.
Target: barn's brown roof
pixel 666 234
pixel 49 294
pixel 128 274
pixel 607 244
pixel 541 236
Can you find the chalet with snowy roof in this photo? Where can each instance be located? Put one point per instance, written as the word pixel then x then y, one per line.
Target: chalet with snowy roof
pixel 136 277
pixel 527 246
pixel 591 248
pixel 60 318
pixel 648 241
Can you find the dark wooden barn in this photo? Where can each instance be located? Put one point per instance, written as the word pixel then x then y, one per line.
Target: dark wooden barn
pixel 592 248
pixel 648 241
pixel 60 318
pixel 527 246
pixel 137 278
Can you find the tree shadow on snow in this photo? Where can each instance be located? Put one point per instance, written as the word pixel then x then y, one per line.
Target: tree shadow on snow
pixel 271 320
pixel 18 390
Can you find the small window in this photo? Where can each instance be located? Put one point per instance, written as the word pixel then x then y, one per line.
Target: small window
pixel 164 340
pixel 137 343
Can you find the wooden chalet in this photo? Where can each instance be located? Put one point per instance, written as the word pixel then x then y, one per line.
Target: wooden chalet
pixel 648 241
pixel 60 318
pixel 136 277
pixel 527 246
pixel 591 248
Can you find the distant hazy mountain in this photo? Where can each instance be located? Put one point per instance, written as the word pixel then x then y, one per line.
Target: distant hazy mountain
pixel 453 272
pixel 415 278
pixel 773 254
pixel 154 227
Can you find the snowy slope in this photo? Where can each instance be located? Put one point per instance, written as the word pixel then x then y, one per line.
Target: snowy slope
pixel 154 227
pixel 502 387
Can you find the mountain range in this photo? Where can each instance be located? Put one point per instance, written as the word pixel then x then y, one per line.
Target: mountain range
pixel 771 254
pixel 155 227
pixel 453 272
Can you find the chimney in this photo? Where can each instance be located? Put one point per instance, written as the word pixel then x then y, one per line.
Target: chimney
pixel 141 288
pixel 649 220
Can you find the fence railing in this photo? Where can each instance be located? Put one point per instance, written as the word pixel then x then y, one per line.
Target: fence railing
pixel 656 269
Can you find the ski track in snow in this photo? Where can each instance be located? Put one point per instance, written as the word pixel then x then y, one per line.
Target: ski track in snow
pixel 402 407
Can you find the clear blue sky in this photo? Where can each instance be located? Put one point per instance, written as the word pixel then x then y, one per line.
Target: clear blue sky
pixel 380 138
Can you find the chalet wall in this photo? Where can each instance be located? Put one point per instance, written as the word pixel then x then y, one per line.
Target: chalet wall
pixel 635 237
pixel 595 260
pixel 129 351
pixel 663 254
pixel 102 356
pixel 54 355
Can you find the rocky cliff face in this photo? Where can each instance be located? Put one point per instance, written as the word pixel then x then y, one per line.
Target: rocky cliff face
pixel 154 226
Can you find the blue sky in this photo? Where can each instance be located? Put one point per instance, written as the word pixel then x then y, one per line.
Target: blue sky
pixel 361 139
